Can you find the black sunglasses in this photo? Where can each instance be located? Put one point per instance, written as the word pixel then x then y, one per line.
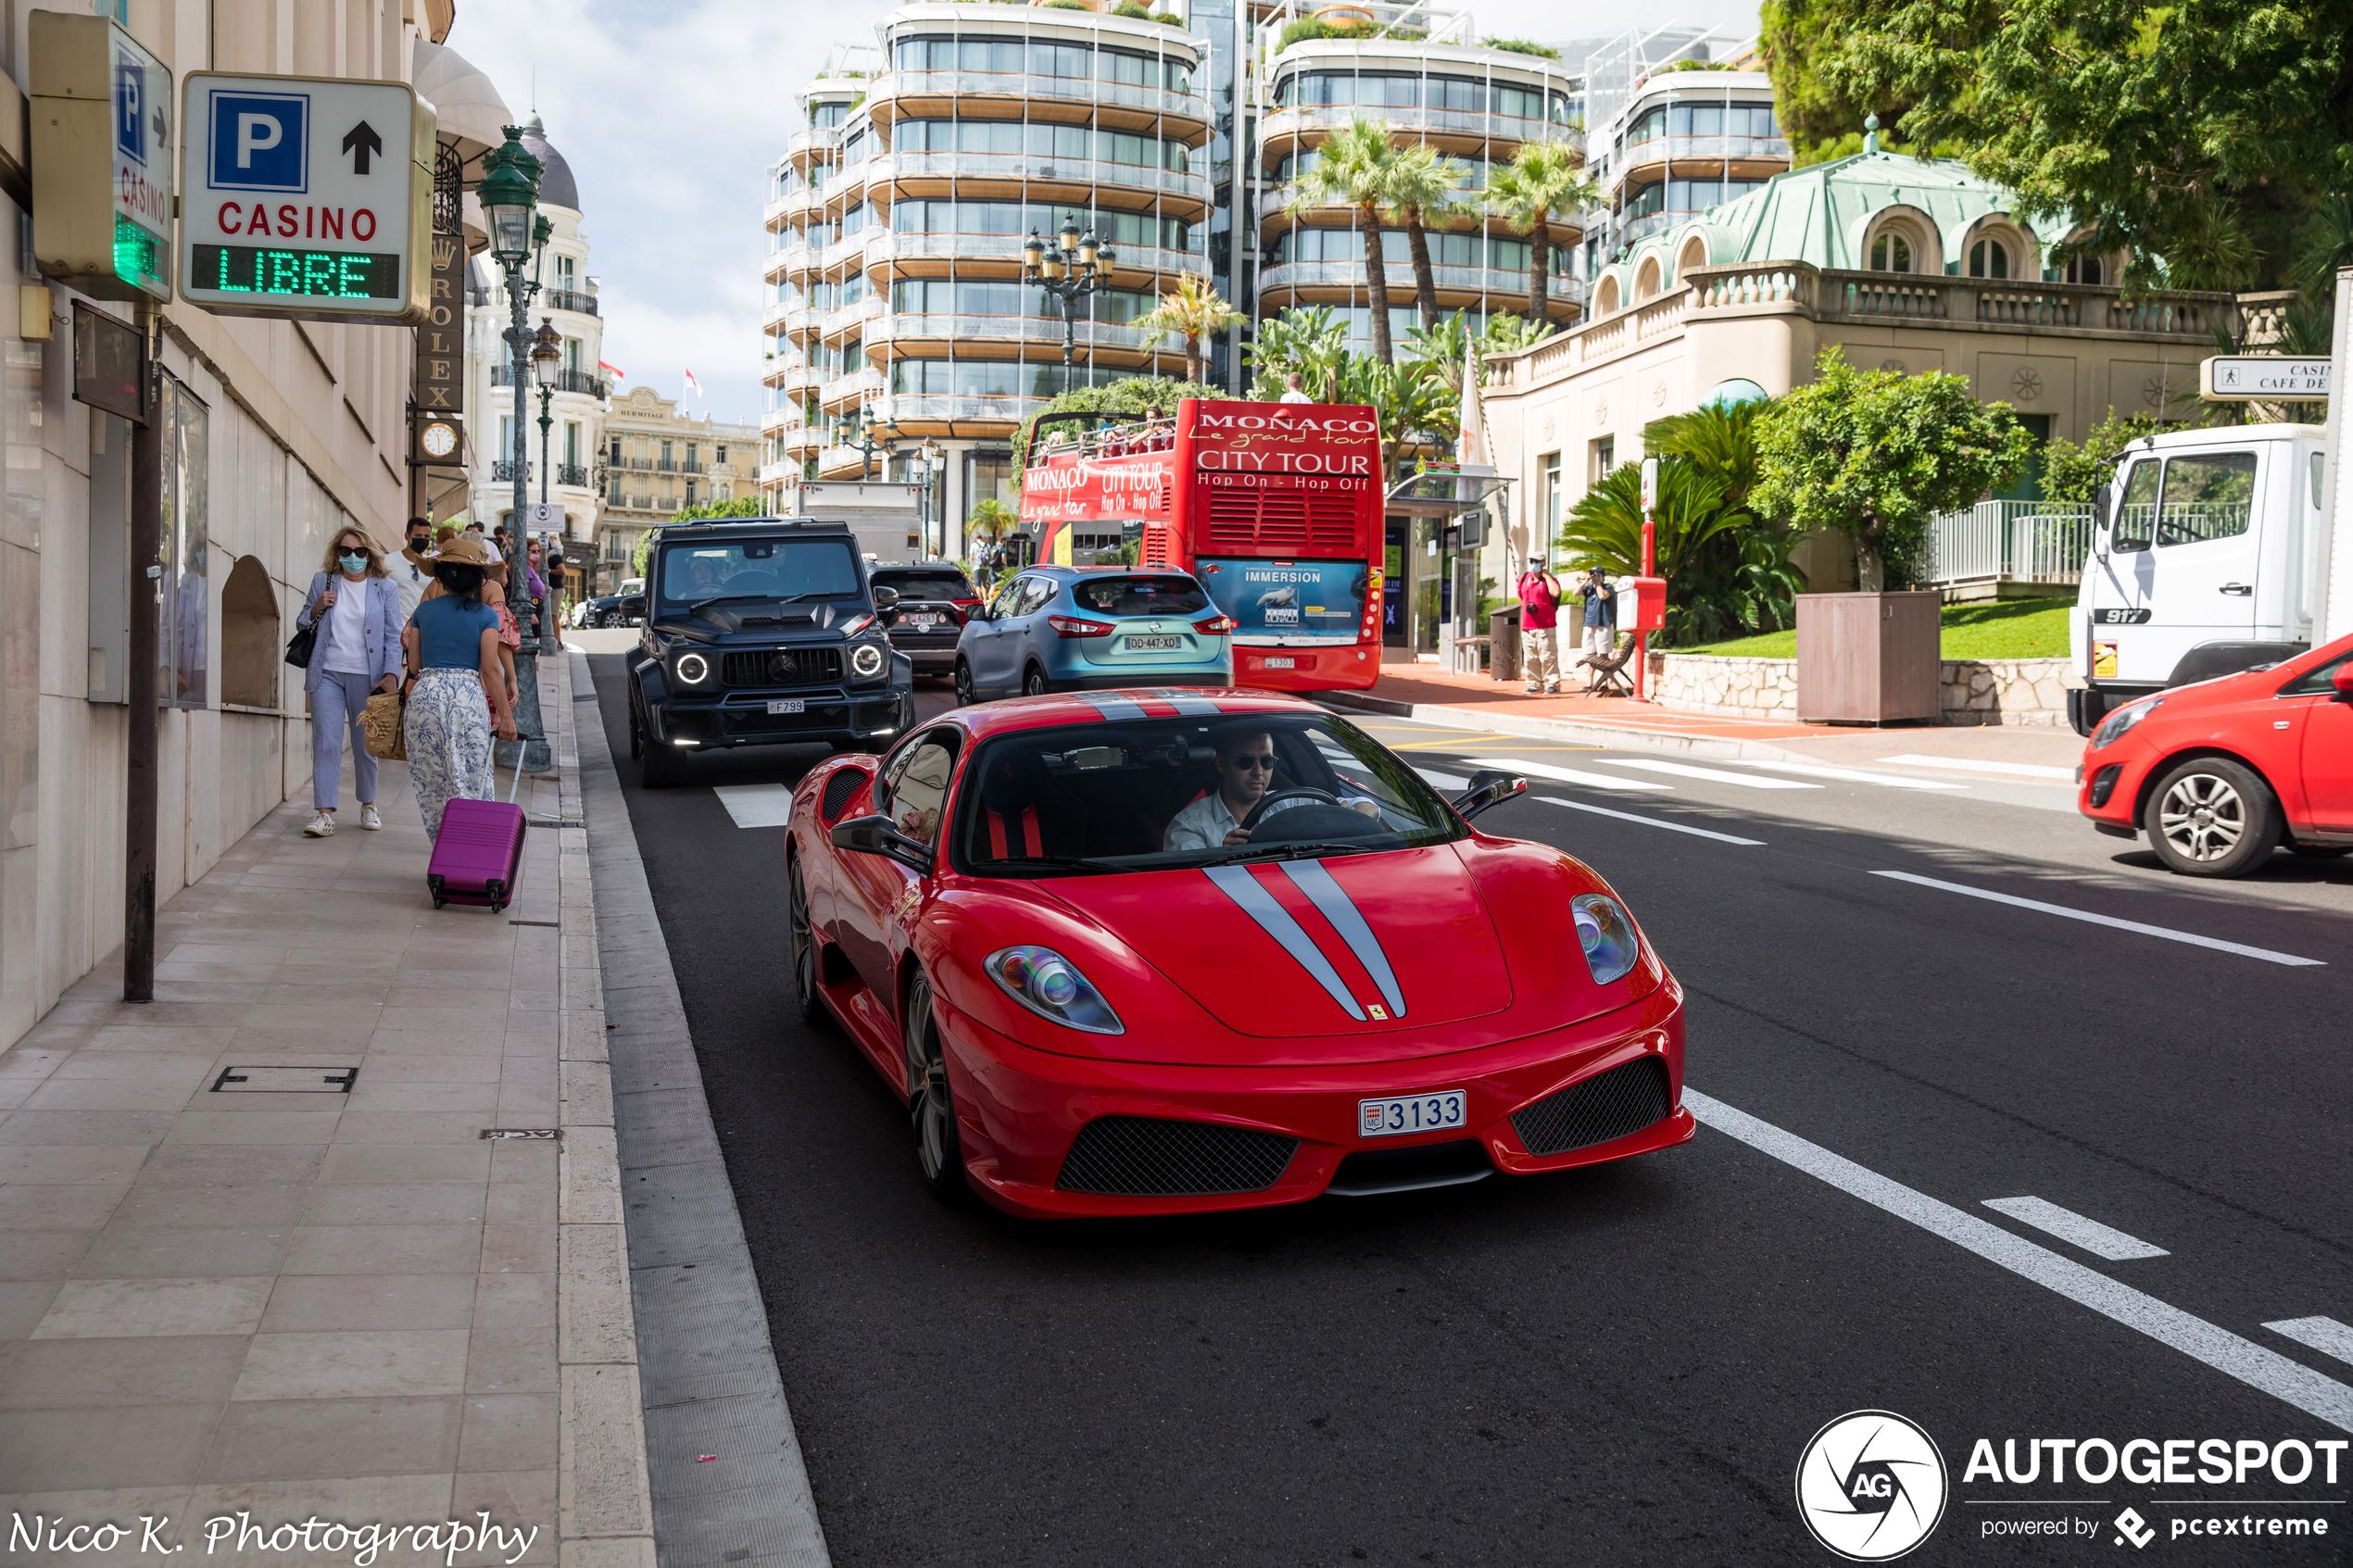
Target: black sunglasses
pixel 1244 760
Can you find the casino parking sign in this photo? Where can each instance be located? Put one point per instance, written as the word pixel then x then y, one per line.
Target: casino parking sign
pixel 306 197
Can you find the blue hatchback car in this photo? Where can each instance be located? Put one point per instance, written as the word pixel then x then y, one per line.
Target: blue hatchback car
pixel 1062 629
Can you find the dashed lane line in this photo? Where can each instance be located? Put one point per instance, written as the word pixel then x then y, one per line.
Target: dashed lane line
pixel 756 806
pixel 2192 937
pixel 1563 775
pixel 2327 1336
pixel 1713 775
pixel 1648 822
pixel 2101 1241
pixel 2232 1355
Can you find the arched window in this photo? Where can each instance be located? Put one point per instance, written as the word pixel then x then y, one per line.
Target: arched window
pixel 1605 299
pixel 1646 279
pixel 1695 255
pixel 1891 252
pixel 2087 270
pixel 1989 258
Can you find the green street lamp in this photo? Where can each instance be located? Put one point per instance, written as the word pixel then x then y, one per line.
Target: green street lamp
pixel 1072 268
pixel 509 193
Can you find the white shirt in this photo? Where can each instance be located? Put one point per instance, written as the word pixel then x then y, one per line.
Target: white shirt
pixel 1294 398
pixel 410 579
pixel 347 627
pixel 1202 825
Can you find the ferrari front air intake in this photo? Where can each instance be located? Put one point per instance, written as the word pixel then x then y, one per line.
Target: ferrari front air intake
pixel 1151 1157
pixel 1609 1105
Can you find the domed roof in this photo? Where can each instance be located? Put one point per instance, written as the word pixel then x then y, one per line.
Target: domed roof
pixel 556 187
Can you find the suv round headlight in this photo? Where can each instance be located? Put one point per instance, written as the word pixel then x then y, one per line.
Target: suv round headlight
pixel 866 660
pixel 693 668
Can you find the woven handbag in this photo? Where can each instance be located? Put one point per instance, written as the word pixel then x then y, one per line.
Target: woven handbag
pixel 387 728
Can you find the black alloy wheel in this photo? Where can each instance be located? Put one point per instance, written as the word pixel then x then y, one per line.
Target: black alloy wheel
pixel 1033 681
pixel 660 766
pixel 2211 816
pixel 804 948
pixel 636 731
pixel 965 696
pixel 931 1108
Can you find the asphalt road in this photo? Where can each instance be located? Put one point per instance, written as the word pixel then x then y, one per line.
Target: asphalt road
pixel 1619 1366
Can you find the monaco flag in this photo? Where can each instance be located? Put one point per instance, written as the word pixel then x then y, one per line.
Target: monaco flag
pixel 616 372
pixel 693 385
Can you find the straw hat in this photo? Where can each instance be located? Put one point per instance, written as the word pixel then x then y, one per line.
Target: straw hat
pixel 466 549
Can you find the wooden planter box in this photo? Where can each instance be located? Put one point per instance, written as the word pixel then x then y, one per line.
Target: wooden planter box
pixel 1866 658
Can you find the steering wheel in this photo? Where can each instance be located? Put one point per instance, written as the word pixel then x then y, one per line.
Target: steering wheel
pixel 1277 796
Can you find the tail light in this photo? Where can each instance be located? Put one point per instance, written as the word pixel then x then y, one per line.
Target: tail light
pixel 1217 626
pixel 1072 626
pixel 963 608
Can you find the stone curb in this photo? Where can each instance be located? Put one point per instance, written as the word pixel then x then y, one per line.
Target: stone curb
pixel 604 1497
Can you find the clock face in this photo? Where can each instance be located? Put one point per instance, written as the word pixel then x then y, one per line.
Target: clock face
pixel 439 440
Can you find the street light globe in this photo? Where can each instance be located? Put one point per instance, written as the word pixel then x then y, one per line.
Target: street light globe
pixel 509 190
pixel 1050 267
pixel 1069 236
pixel 1087 250
pixel 547 353
pixel 1106 261
pixel 1034 251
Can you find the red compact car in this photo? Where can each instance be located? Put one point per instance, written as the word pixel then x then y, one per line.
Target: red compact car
pixel 2222 773
pixel 1148 952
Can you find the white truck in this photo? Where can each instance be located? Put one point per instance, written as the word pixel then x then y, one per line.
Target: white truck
pixel 2211 554
pixel 887 519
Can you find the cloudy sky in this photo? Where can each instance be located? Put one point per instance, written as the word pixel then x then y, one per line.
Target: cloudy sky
pixel 669 112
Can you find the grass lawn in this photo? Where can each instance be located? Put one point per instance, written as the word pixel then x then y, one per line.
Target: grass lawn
pixel 2007 629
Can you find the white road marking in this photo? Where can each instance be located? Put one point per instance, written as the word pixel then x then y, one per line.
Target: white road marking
pixel 1855 775
pixel 2101 1241
pixel 756 806
pixel 1647 821
pixel 2312 1392
pixel 2192 937
pixel 2327 1336
pixel 1971 765
pixel 1443 781
pixel 1713 776
pixel 1562 775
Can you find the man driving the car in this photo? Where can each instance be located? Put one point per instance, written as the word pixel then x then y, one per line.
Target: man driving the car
pixel 1244 762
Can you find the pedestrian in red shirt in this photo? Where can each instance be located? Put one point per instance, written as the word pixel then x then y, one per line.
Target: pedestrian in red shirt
pixel 1539 597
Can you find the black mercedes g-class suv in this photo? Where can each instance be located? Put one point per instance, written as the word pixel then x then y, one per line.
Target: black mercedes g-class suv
pixel 763 632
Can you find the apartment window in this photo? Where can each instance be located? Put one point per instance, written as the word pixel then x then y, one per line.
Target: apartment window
pixel 665 454
pixel 1604 458
pixel 1552 461
pixel 615 458
pixel 566 271
pixel 506 438
pixel 691 492
pixel 1891 252
pixel 571 353
pixel 1989 258
pixel 2086 270
pixel 719 455
pixel 571 443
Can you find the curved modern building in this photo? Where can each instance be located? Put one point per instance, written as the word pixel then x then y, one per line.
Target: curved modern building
pixel 1477 104
pixel 897 312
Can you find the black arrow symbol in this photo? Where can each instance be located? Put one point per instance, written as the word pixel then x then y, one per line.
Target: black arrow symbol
pixel 359 141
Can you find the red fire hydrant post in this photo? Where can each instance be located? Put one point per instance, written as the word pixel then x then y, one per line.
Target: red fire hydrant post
pixel 1650 570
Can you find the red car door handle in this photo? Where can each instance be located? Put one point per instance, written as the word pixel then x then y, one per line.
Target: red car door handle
pixel 2239 588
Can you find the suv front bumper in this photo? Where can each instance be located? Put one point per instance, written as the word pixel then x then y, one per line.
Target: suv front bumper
pixel 728 717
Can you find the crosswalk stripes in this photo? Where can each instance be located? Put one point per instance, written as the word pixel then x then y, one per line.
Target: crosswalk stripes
pixel 1562 775
pixel 756 806
pixel 1712 775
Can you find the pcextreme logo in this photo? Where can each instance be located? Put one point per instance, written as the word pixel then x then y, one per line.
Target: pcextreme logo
pixel 1871 1486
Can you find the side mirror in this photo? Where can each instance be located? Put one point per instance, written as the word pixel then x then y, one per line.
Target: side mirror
pixel 876 835
pixel 1488 787
pixel 886 600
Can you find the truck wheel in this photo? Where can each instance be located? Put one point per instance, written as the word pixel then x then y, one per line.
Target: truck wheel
pixel 2211 816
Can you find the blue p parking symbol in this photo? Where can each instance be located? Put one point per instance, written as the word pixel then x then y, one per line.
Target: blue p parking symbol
pixel 261 142
pixel 129 108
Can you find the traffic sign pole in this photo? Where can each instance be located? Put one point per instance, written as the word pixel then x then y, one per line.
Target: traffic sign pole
pixel 1650 569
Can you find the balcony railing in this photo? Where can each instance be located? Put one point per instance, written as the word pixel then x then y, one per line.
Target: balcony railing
pixel 1284 123
pixel 503 471
pixel 1703 149
pixel 1002 329
pixel 884 247
pixel 571 299
pixel 1025 85
pixel 2009 541
pixel 566 380
pixel 1015 167
pixel 909 408
pixel 573 474
pixel 1500 280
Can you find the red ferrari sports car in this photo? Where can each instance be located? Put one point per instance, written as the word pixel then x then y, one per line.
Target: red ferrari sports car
pixel 1146 952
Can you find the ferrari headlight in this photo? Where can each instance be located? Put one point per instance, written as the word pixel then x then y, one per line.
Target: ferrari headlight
pixel 1607 936
pixel 1050 987
pixel 693 668
pixel 867 660
pixel 2113 728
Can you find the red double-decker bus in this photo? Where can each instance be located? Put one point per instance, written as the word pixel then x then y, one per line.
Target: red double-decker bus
pixel 1274 507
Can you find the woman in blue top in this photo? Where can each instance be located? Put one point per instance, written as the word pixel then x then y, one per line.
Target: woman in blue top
pixel 355 606
pixel 458 691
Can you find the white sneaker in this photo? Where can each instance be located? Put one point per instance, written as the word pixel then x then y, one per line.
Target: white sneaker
pixel 323 825
pixel 369 820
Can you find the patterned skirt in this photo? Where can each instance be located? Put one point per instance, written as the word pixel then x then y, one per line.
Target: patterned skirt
pixel 448 729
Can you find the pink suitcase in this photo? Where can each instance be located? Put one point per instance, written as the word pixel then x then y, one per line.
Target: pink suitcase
pixel 478 857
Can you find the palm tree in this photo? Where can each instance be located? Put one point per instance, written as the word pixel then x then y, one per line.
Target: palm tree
pixel 991 519
pixel 1422 182
pixel 1544 180
pixel 1352 169
pixel 1193 311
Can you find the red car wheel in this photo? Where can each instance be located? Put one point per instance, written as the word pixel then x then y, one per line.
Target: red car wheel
pixel 2211 816
pixel 804 949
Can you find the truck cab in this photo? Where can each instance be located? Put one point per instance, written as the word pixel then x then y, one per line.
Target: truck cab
pixel 2206 560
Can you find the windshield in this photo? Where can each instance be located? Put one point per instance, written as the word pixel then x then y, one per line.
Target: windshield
pixel 1148 794
pixel 1124 595
pixel 759 568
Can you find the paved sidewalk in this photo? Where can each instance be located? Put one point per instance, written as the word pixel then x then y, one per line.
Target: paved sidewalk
pixel 287 1304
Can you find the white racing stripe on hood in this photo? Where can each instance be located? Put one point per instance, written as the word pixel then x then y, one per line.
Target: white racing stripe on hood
pixel 1314 879
pixel 1237 883
pixel 1111 706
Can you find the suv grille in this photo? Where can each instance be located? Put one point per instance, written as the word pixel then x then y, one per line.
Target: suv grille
pixel 781 667
pixel 1625 1099
pixel 1151 1156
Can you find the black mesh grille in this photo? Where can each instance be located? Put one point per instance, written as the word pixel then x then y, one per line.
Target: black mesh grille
pixel 1609 1105
pixel 1148 1156
pixel 839 786
pixel 781 667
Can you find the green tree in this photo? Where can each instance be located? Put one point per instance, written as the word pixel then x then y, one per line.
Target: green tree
pixel 1192 310
pixel 1720 439
pixel 2200 134
pixel 1355 169
pixel 1422 182
pixel 991 520
pixel 1545 180
pixel 1413 405
pixel 1308 339
pixel 1874 454
pixel 2073 473
pixel 1445 348
pixel 1819 118
pixel 1128 398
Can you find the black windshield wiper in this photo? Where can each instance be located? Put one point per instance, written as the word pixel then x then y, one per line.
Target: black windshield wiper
pixel 1305 848
pixel 1066 862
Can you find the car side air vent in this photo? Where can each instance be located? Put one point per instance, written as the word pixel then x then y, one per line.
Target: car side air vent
pixel 841 785
pixel 1609 1105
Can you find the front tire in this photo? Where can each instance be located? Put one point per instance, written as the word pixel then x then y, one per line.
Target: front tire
pixel 931 1106
pixel 660 766
pixel 804 949
pixel 2211 816
pixel 965 696
pixel 1034 683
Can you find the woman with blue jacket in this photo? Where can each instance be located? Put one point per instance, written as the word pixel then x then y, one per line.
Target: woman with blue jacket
pixel 355 605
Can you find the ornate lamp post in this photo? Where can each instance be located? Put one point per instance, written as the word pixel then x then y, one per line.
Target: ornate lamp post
pixel 927 466
pixel 547 355
pixel 510 193
pixel 1076 269
pixel 868 428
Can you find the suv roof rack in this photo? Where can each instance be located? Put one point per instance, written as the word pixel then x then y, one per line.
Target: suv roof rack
pixel 722 525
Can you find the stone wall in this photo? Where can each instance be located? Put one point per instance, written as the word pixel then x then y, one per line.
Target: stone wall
pixel 2002 691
